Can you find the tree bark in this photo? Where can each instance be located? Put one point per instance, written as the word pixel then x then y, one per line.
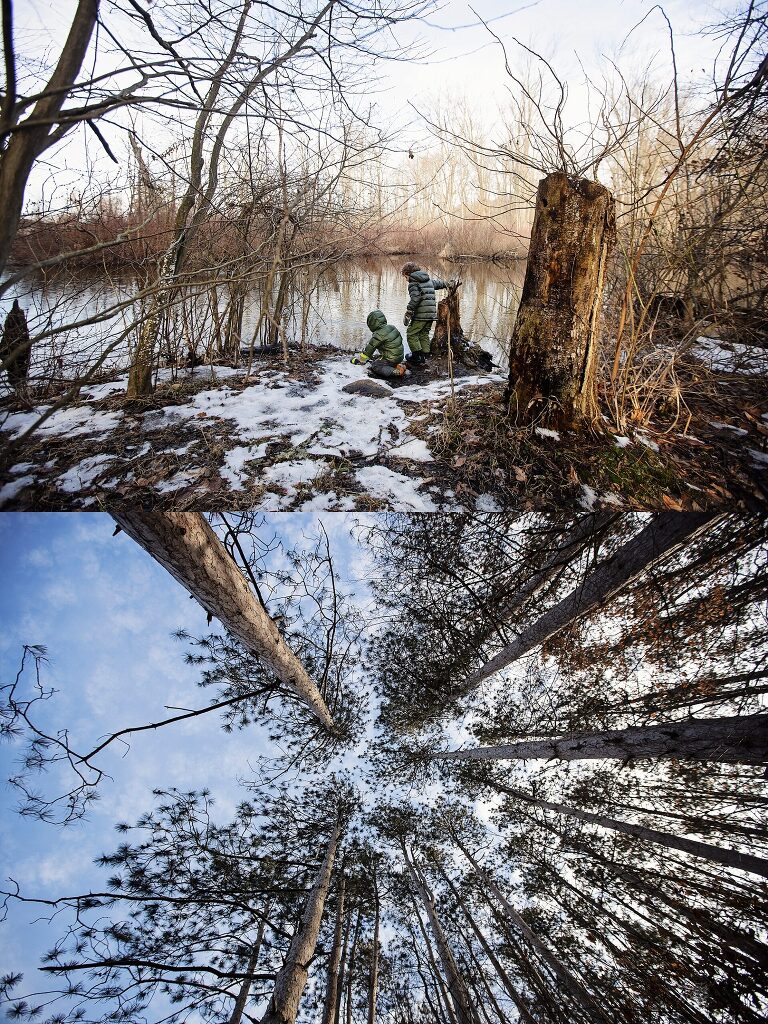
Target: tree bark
pixel 373 986
pixel 292 977
pixel 185 545
pixel 554 347
pixel 739 740
pixel 564 976
pixel 25 144
pixel 730 858
pixel 666 532
pixel 462 1005
pixel 332 985
pixel 245 988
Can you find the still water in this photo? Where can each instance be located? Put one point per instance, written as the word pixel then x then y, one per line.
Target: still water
pixel 79 322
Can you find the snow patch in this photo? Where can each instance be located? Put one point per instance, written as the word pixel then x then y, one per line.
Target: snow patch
pixel 588 497
pixel 647 442
pixel 71 421
pixel 731 357
pixel 487 503
pixel 719 425
pixel 380 482
pixel 622 442
pixel 78 477
pixel 328 502
pixel 415 449
pixel 547 433
pixel 9 491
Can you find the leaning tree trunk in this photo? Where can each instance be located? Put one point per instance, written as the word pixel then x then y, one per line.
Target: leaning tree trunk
pixel 554 348
pixel 245 988
pixel 462 1004
pixel 697 848
pixel 289 984
pixel 185 545
pixel 742 739
pixel 665 533
pixel 569 981
pixel 332 984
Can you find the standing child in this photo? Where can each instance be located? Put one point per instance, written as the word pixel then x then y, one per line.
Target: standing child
pixel 421 311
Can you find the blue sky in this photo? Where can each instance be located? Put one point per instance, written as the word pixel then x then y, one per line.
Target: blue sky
pixel 106 611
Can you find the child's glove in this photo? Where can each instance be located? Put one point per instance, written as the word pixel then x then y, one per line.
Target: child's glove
pixel 406 319
pixel 359 358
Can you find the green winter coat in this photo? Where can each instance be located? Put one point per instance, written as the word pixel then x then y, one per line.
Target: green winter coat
pixel 422 301
pixel 385 337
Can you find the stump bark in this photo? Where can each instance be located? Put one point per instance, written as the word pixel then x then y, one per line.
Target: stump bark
pixel 554 348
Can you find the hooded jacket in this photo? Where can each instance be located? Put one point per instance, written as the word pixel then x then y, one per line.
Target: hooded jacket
pixel 422 301
pixel 384 337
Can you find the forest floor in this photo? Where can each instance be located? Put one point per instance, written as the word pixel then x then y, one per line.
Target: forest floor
pixel 305 438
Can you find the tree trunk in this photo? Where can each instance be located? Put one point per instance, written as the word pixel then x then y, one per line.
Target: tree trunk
pixel 26 142
pixel 462 1006
pixel 245 988
pixel 564 976
pixel 351 968
pixel 332 985
pixel 666 532
pixel 730 858
pixel 185 545
pixel 554 348
pixel 448 319
pixel 739 740
pixel 292 977
pixel 506 981
pixel 373 987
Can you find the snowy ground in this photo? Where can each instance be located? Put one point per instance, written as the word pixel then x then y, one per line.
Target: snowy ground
pixel 275 442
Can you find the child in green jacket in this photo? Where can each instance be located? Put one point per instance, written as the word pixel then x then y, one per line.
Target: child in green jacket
pixel 388 341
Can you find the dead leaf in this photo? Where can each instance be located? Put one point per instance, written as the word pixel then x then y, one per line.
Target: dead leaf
pixel 671 503
pixel 520 475
pixel 573 476
pixel 459 461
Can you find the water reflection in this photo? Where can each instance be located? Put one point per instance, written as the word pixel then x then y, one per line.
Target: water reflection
pixel 79 322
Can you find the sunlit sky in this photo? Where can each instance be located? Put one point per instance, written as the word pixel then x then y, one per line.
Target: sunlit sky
pixel 106 612
pixel 453 56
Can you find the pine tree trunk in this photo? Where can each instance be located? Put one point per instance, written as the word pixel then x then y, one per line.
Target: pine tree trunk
pixel 462 1005
pixel 742 739
pixel 666 532
pixel 569 982
pixel 730 858
pixel 185 545
pixel 245 988
pixel 506 981
pixel 373 987
pixel 554 348
pixel 292 977
pixel 332 984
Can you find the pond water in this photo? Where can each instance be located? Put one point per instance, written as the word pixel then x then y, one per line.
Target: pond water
pixel 82 320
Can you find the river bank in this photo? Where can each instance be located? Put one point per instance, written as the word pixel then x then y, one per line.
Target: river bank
pixel 304 438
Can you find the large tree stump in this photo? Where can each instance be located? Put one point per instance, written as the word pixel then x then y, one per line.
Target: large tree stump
pixel 448 319
pixel 554 348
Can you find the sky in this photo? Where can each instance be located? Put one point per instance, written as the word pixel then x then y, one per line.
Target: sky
pixel 106 612
pixel 452 54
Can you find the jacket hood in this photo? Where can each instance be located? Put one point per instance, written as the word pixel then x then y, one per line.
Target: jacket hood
pixel 420 276
pixel 376 319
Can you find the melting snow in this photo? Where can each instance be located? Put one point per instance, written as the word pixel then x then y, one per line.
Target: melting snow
pixel 415 449
pixel 718 425
pixel 732 357
pixel 487 503
pixel 11 489
pixel 547 433
pixel 83 474
pixel 622 442
pixel 380 482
